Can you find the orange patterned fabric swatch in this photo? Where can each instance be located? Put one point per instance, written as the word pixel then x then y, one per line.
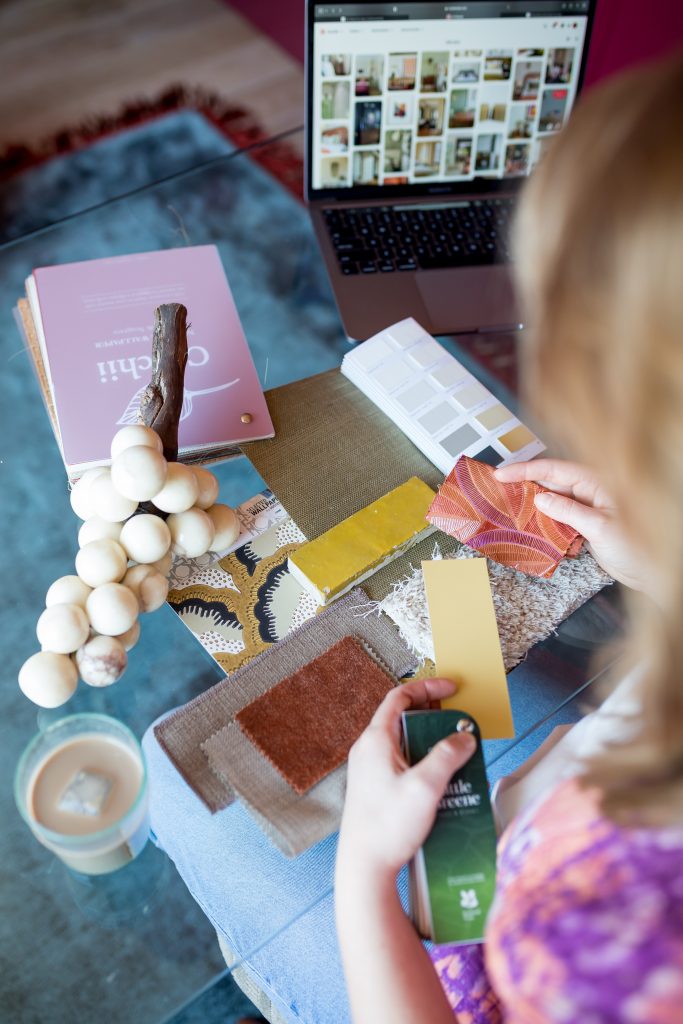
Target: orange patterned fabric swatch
pixel 307 723
pixel 501 520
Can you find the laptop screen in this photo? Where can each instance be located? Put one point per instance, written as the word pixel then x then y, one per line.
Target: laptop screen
pixel 431 97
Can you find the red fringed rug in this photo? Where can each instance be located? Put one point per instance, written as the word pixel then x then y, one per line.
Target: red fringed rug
pixel 237 124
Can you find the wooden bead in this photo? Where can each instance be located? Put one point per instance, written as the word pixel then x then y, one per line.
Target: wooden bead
pixel 191 532
pixel 180 490
pixel 101 561
pixel 112 609
pixel 148 585
pixel 96 528
pixel 80 498
pixel 163 565
pixel 67 590
pixel 131 636
pixel 107 502
pixel 48 679
pixel 62 628
pixel 135 434
pixel 145 538
pixel 207 485
pixel 226 526
pixel 101 661
pixel 139 472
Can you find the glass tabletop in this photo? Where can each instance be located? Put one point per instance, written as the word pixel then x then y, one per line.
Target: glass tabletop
pixel 137 939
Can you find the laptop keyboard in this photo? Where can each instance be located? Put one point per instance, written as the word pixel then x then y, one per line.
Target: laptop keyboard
pixel 385 239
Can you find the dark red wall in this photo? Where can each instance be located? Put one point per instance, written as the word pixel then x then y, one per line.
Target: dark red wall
pixel 630 31
pixel 625 32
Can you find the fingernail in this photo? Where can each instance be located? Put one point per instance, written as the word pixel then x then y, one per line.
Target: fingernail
pixel 543 500
pixel 463 742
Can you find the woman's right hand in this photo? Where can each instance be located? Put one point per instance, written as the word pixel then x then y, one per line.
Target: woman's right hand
pixel 580 501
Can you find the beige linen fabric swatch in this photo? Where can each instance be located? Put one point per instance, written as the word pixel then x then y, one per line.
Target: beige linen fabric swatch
pixel 182 734
pixel 292 822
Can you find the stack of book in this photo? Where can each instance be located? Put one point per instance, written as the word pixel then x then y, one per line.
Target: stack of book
pixel 88 328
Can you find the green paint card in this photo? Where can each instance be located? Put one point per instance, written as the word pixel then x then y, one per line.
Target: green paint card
pixel 453 875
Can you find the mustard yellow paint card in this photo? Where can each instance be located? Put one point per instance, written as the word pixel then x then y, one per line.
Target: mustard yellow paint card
pixel 466 642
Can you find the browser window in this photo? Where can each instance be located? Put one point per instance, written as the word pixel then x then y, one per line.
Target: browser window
pixel 412 93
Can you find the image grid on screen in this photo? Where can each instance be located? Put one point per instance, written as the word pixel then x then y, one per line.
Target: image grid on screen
pixel 407 101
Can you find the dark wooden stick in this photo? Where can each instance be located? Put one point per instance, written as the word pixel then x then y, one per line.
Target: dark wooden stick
pixel 162 399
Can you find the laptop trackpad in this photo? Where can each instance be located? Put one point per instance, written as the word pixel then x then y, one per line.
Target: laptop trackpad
pixel 468 298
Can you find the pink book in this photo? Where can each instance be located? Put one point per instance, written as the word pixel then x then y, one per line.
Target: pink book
pixel 95 321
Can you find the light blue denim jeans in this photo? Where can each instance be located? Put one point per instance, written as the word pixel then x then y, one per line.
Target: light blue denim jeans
pixel 250 891
pixel 278 913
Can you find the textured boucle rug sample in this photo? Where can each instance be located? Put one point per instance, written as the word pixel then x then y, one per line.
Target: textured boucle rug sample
pixel 528 608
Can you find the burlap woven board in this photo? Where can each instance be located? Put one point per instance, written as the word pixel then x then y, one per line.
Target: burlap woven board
pixel 333 453
pixel 183 732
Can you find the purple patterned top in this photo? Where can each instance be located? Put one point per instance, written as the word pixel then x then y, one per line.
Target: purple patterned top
pixel 587 926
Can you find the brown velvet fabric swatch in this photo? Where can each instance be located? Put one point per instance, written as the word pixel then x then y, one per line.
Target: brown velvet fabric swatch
pixel 307 724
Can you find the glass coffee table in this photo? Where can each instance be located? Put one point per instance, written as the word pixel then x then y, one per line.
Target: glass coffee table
pixel 136 945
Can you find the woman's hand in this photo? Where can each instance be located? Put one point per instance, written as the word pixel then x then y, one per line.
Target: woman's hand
pixel 390 807
pixel 580 501
pixel 388 813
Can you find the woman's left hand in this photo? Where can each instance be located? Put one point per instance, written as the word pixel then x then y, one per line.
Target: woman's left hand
pixel 390 808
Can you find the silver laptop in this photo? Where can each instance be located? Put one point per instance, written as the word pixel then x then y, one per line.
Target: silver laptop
pixel 423 119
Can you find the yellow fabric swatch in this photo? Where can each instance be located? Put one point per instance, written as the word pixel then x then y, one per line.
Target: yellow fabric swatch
pixel 348 553
pixel 466 642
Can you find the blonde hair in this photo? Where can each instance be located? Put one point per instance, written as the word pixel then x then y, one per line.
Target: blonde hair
pixel 599 241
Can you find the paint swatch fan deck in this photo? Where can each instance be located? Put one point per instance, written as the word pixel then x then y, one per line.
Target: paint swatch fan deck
pixel 435 401
pixel 88 327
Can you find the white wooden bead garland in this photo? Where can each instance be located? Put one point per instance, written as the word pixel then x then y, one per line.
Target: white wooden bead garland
pixel 125 555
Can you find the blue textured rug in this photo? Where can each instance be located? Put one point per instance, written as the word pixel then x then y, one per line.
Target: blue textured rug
pixel 112 166
pixel 293 329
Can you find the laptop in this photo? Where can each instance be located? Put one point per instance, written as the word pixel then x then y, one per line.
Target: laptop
pixel 422 122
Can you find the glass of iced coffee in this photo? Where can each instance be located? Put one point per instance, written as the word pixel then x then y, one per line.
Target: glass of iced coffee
pixel 81 786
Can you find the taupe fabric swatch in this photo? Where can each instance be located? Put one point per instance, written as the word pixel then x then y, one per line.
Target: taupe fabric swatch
pixel 333 453
pixel 292 822
pixel 183 732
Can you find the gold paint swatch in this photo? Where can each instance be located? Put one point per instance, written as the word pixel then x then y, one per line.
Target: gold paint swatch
pixel 466 642
pixel 517 438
